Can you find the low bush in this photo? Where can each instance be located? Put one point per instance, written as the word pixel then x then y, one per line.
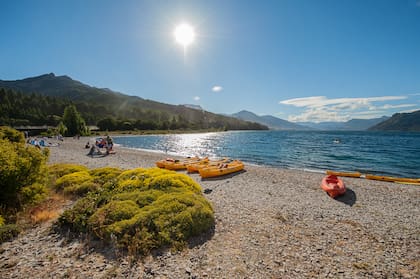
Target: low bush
pixel 7 232
pixel 58 170
pixel 104 175
pixel 76 183
pixel 23 173
pixel 11 135
pixel 140 209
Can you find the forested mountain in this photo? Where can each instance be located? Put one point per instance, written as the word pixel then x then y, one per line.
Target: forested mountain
pixel 400 122
pixel 41 100
pixel 272 122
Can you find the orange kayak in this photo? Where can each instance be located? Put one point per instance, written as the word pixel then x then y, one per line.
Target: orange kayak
pixel 175 164
pixel 333 185
pixel 196 166
pixel 222 169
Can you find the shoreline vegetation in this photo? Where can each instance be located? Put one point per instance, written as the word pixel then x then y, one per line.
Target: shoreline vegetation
pixel 269 223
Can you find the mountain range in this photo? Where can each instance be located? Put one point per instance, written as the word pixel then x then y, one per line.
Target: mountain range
pixel 275 123
pixel 97 104
pixel 270 121
pixel 351 125
pixel 400 122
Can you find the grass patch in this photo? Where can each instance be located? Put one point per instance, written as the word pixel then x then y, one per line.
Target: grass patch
pixel 44 215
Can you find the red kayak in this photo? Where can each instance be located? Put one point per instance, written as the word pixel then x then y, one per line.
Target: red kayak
pixel 333 185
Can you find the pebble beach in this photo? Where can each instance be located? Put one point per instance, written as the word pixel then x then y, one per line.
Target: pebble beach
pixel 270 223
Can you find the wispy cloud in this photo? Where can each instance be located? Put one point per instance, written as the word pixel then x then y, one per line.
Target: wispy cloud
pixel 321 101
pixel 217 88
pixel 321 108
pixel 196 98
pixel 410 110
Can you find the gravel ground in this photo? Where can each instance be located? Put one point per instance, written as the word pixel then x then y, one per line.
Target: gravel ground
pixel 270 223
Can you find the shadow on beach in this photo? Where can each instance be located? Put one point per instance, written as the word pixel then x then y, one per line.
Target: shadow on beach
pixel 97 155
pixel 226 176
pixel 348 198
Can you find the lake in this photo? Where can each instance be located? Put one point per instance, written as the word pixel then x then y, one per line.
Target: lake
pixel 385 153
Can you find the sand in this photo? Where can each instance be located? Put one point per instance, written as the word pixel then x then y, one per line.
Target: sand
pixel 270 223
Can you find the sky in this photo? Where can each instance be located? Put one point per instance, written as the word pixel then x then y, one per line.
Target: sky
pixel 299 60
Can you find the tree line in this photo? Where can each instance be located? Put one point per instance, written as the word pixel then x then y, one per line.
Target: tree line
pixel 21 109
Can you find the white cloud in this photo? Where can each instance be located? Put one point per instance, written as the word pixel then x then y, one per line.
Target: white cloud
pixel 217 88
pixel 321 108
pixel 319 115
pixel 387 106
pixel 321 101
pixel 196 98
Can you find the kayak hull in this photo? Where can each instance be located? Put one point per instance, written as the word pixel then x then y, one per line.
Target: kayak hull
pixel 345 174
pixel 175 164
pixel 333 185
pixel 393 179
pixel 223 169
pixel 195 167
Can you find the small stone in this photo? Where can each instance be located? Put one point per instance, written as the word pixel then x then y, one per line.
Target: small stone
pixel 188 270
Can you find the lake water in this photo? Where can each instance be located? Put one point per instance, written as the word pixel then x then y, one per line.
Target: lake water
pixel 386 153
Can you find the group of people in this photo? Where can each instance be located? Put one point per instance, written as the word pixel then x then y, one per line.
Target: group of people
pixel 106 143
pixel 40 142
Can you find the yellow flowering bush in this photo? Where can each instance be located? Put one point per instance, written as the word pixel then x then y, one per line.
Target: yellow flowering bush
pixel 140 209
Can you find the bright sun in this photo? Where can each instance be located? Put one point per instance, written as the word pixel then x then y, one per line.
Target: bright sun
pixel 184 34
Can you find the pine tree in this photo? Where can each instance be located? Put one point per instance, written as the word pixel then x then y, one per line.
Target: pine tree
pixel 74 122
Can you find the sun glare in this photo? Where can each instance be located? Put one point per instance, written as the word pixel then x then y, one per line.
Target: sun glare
pixel 184 34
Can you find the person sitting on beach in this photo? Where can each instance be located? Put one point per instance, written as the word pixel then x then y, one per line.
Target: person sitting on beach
pixel 87 145
pixel 102 144
pixel 109 144
pixel 92 150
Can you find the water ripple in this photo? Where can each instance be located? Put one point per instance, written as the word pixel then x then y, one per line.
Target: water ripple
pixel 387 153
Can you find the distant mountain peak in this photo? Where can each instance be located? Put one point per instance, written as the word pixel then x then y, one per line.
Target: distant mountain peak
pixel 400 122
pixel 270 121
pixel 354 124
pixel 192 106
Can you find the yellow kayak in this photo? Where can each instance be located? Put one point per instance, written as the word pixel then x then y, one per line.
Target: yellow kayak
pixel 346 174
pixel 393 179
pixel 196 166
pixel 175 164
pixel 222 169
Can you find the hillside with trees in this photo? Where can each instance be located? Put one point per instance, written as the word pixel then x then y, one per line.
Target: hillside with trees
pixel 41 100
pixel 400 122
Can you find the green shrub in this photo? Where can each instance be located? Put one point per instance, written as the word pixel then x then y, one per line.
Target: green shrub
pixel 1 221
pixel 104 175
pixel 11 135
pixel 76 218
pixel 141 198
pixel 170 221
pixel 141 209
pixel 76 183
pixel 158 179
pixel 21 166
pixel 7 232
pixel 33 193
pixel 58 170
